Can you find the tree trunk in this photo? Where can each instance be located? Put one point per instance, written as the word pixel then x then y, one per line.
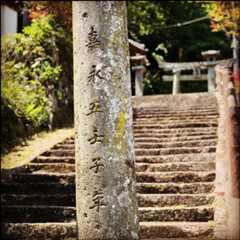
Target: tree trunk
pixel 105 192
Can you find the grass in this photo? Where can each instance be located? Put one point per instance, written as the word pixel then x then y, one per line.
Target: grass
pixel 38 144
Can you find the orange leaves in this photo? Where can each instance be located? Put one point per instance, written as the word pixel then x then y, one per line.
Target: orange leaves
pixel 62 10
pixel 224 15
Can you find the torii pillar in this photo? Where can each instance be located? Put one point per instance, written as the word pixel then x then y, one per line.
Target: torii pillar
pixel 104 152
pixel 176 81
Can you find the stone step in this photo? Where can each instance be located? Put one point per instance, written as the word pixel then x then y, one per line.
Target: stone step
pixel 175 119
pixel 39 199
pixel 151 139
pixel 144 200
pixel 64 146
pixel 179 108
pixel 178 188
pixel 207 237
pixel 54 159
pixel 211 130
pixel 177 200
pixel 175 125
pixel 163 120
pixel 169 151
pixel 211 102
pixel 70 140
pixel 39 231
pixel 179 166
pixel 155 139
pixel 50 167
pixel 36 214
pixel 178 230
pixel 38 188
pixel 174 114
pixel 199 143
pixel 186 177
pixel 172 158
pixel 172 135
pixel 192 214
pixel 174 111
pixel 40 177
pixel 59 152
pixel 169 124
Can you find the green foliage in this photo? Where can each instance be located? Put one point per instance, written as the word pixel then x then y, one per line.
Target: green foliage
pixel 145 17
pixel 32 71
pixel 12 128
pixel 149 22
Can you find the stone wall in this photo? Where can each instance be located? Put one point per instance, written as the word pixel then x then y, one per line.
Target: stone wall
pixel 228 158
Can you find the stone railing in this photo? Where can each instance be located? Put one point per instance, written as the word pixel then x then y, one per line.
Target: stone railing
pixel 228 158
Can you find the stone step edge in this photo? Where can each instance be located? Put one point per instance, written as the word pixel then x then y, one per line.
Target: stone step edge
pixel 173 172
pixel 188 230
pixel 40 206
pixel 53 230
pixel 175 208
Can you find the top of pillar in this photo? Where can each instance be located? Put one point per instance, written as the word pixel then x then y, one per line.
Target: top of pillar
pixel 210 54
pixel 136 47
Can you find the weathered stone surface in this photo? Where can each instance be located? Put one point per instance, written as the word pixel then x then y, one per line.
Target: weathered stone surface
pixel 175 188
pixel 187 131
pixel 51 167
pixel 37 188
pixel 181 101
pixel 54 159
pixel 37 177
pixel 174 125
pixel 177 200
pixel 191 214
pixel 39 231
pixel 105 194
pixel 60 153
pixel 165 139
pixel 37 214
pixel 166 151
pixel 175 164
pixel 58 199
pixel 186 177
pixel 175 191
pixel 179 144
pixel 178 230
pixel 176 158
pixel 181 166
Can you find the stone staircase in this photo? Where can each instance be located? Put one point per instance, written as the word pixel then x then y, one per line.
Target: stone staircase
pixel 175 144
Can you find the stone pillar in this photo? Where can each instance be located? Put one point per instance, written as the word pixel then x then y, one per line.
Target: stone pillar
pixel 105 191
pixel 139 77
pixel 211 57
pixel 176 82
pixel 211 78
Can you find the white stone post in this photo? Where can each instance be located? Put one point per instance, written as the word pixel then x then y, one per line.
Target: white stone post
pixel 211 56
pixel 139 77
pixel 211 77
pixel 105 192
pixel 176 82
